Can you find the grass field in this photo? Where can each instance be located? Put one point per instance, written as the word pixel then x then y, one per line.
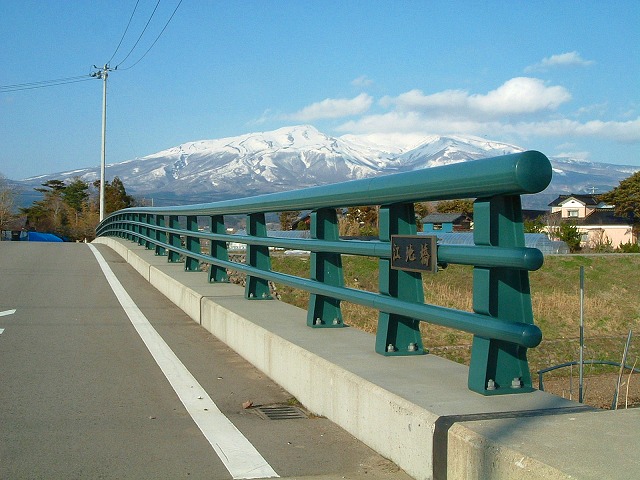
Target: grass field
pixel 611 307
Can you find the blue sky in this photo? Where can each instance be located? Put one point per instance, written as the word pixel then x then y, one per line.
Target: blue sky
pixel 562 77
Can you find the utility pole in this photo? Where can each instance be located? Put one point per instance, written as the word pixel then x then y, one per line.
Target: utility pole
pixel 103 73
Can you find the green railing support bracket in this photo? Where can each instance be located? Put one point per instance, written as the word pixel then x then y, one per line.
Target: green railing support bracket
pixel 499 367
pixel 142 230
pixel 138 230
pixel 125 218
pixel 146 231
pixel 132 228
pixel 219 251
pixel 323 311
pixel 397 334
pixel 192 243
pixel 161 236
pixel 174 240
pixel 135 229
pixel 257 256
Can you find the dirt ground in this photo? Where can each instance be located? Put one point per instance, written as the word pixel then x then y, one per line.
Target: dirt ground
pixel 598 390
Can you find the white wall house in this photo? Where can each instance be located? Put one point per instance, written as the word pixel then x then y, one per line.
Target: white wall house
pixel 595 220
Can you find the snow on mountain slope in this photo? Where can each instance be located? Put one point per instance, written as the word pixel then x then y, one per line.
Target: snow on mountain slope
pixel 436 151
pixel 295 157
pixel 298 155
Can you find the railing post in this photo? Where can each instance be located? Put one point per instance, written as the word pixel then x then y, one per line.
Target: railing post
pixel 397 334
pixel 140 229
pixel 218 250
pixel 326 268
pixel 257 256
pixel 128 218
pixel 135 229
pixel 161 236
pixel 174 240
pixel 192 244
pixel 499 367
pixel 148 220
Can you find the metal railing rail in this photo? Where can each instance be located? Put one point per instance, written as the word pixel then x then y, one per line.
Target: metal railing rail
pixel 502 321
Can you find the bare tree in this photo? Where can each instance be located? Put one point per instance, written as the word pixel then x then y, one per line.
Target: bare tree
pixel 7 203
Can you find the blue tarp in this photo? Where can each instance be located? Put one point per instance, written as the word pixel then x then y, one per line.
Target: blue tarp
pixel 42 237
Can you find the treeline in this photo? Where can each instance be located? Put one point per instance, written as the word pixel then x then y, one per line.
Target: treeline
pixel 363 221
pixel 72 210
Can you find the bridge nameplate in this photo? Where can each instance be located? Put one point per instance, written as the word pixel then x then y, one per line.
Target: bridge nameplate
pixel 414 253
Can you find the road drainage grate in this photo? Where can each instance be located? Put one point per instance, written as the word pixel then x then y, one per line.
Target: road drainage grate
pixel 280 412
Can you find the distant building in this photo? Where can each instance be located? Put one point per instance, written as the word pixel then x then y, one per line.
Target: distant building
pixel 14 229
pixel 595 220
pixel 446 222
pixel 576 206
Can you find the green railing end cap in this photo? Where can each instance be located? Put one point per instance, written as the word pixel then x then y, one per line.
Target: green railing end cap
pixel 533 171
pixel 531 336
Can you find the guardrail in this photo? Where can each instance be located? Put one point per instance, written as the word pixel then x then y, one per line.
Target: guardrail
pixel 502 320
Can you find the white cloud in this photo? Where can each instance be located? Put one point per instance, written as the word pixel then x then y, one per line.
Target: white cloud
pixel 412 122
pixel 574 155
pixel 624 132
pixel 361 82
pixel 569 59
pixel 266 116
pixel 598 109
pixel 416 122
pixel 504 111
pixel 521 109
pixel 521 95
pixel 518 96
pixel 416 100
pixel 333 108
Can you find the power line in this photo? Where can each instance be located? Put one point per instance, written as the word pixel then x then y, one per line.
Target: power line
pixel 125 32
pixel 43 83
pixel 83 78
pixel 141 34
pixel 157 38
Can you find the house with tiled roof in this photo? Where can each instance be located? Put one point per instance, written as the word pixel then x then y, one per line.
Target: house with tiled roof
pixel 447 222
pixel 595 220
pixel 576 206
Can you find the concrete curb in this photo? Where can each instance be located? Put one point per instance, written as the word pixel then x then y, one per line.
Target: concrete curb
pixel 416 411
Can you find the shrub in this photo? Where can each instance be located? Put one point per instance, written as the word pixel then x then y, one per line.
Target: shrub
pixel 628 247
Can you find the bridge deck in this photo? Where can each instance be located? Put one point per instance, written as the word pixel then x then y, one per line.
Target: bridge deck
pixel 81 396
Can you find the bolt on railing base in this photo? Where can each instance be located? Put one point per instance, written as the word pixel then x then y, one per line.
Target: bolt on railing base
pixel 398 336
pixel 498 368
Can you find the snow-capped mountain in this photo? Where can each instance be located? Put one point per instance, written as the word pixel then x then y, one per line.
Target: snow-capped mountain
pixel 436 151
pixel 300 156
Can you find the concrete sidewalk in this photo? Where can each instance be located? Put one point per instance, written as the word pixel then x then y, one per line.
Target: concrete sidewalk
pixel 416 411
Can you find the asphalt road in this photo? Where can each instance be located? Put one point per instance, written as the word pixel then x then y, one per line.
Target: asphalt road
pixel 82 397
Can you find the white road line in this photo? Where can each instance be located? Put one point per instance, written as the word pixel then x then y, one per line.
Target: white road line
pixel 239 456
pixel 7 312
pixel 1 331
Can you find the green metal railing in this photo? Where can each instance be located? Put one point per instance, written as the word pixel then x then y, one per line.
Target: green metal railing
pixel 502 320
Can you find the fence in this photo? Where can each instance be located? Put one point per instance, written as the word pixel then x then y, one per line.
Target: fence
pixel 502 320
